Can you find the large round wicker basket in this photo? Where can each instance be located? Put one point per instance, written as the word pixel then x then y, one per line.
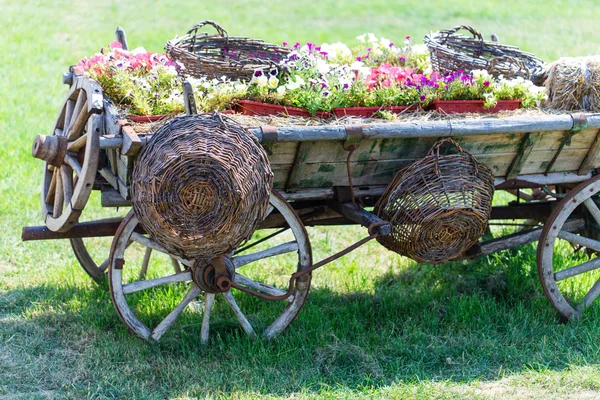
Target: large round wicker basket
pixel 451 51
pixel 217 55
pixel 201 186
pixel 438 207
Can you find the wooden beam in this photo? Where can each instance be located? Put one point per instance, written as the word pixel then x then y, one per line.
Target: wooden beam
pixel 523 153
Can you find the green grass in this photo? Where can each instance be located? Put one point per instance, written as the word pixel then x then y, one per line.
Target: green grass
pixel 375 324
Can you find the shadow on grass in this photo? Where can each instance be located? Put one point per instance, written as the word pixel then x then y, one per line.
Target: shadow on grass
pixel 457 322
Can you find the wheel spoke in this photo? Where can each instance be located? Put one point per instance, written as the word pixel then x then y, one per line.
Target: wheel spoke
pixel 67 181
pixel 209 299
pixel 593 209
pixel 133 287
pixel 77 127
pixel 238 313
pixel 590 296
pixel 104 265
pixel 144 241
pixel 75 146
pixel 580 240
pixel 170 319
pixel 52 188
pixel 81 98
pixel 58 196
pixel 73 163
pixel 274 251
pixel 261 287
pixel 259 241
pixel 577 270
pixel 176 265
pixel 145 263
pixel 68 113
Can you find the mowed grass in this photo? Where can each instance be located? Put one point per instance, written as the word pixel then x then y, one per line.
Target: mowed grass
pixel 375 324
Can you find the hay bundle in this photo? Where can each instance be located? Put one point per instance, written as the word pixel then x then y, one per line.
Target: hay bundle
pixel 574 83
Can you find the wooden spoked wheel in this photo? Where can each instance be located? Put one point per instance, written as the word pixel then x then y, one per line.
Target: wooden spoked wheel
pixel 71 155
pixel 93 256
pixel 571 279
pixel 140 302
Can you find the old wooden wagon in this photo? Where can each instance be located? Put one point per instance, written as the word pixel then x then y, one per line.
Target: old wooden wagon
pixel 322 175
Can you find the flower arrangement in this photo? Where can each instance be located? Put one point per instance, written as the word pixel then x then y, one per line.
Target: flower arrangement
pixel 376 73
pixel 144 83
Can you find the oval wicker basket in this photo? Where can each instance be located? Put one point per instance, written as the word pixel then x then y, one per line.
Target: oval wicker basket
pixel 201 186
pixel 451 51
pixel 438 207
pixel 217 55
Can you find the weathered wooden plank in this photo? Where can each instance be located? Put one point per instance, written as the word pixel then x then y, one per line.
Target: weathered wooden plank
pixel 525 149
pixel 297 169
pixel 592 157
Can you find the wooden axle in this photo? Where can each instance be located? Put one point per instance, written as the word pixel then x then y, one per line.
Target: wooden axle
pixel 51 149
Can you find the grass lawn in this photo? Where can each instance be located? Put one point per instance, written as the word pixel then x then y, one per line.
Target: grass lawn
pixel 375 324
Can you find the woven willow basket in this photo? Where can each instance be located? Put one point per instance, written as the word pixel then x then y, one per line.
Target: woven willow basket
pixel 217 55
pixel 451 51
pixel 201 186
pixel 438 207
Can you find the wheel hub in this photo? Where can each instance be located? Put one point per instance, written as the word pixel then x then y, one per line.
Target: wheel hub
pixel 51 149
pixel 214 276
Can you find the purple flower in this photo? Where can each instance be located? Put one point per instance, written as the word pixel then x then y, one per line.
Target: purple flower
pixel 346 86
pixel 369 49
pixel 273 72
pixel 391 44
pixel 402 59
pixel 297 46
pixel 285 44
pixel 422 98
pixel 407 38
pixel 358 58
pixel 325 93
pixel 486 83
pixel 324 54
pixel 310 47
pixel 317 48
pixel 258 73
pixel 323 85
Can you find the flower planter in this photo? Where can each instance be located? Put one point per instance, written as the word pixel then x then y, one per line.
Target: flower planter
pixel 248 107
pixel 370 112
pixel 473 106
pixel 505 105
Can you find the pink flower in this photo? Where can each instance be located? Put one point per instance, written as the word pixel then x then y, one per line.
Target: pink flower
pixel 115 44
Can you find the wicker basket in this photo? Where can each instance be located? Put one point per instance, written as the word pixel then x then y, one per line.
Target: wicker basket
pixel 451 51
pixel 438 207
pixel 201 186
pixel 219 54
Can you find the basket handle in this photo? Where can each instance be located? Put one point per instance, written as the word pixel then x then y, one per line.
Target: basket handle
pixel 194 36
pixel 435 150
pixel 473 31
pixel 220 30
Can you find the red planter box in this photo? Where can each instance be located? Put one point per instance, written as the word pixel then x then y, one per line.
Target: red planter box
pixel 248 107
pixel 473 106
pixel 370 112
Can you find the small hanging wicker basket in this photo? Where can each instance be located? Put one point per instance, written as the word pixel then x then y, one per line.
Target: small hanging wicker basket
pixel 451 51
pixel 438 207
pixel 201 186
pixel 217 55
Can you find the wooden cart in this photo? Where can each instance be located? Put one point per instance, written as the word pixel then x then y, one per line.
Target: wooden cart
pixel 323 175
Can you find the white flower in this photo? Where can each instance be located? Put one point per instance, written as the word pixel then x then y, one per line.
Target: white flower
pixel 138 50
pixel 480 73
pixel 356 65
pixel 372 38
pixel 240 87
pixel 383 42
pixel 273 82
pixel 419 49
pixel 260 81
pixel 362 37
pixel 322 66
pixel 281 90
pixel 295 83
pixel 336 52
